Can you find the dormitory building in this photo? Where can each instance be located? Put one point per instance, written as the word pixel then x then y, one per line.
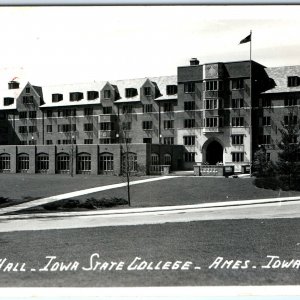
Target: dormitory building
pixel 208 114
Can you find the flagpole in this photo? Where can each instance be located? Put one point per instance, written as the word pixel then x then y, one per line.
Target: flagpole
pixel 250 127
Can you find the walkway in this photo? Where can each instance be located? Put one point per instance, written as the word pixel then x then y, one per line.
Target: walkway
pixel 288 207
pixel 30 204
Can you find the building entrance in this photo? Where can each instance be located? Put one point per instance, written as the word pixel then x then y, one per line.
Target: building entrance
pixel 214 153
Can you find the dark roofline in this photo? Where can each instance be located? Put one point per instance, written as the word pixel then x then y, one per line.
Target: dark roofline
pixel 227 62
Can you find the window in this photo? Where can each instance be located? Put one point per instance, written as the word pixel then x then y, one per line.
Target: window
pixel 237 84
pixel 63 163
pixel 92 95
pixel 147 125
pixel 88 127
pixel 130 92
pixel 22 163
pixel 127 109
pixel 167 159
pixel 129 162
pixel 28 100
pixel 290 120
pixel 3 115
pixel 88 111
pixel 189 140
pixel 169 124
pixel 66 127
pixel 290 102
pixel 83 163
pixel 67 142
pixel 147 91
pixel 293 81
pixel 27 90
pixel 49 142
pixel 127 140
pixel 213 85
pixel 266 139
pixel 168 107
pixel 32 142
pixel 147 140
pixel 189 105
pixel 42 163
pixel 106 162
pixel 237 139
pixel 189 156
pixel 237 103
pixel 107 94
pixel 154 159
pixel 49 113
pixel 22 129
pixel 22 114
pixel 211 122
pixel 267 121
pixel 189 87
pixel 32 129
pixel 126 126
pixel 211 104
pixel 32 114
pixel 237 156
pixel 189 123
pixel 76 96
pixel 67 112
pixel 171 89
pixel 169 140
pixel 107 110
pixel 266 102
pixel 106 126
pixel 148 108
pixel 237 121
pixel 23 142
pixel 105 141
pixel 57 97
pixel 4 163
pixel 88 141
pixel 8 101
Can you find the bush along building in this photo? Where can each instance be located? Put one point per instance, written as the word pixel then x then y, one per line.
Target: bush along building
pixel 211 117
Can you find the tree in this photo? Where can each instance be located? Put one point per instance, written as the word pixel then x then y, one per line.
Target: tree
pixel 288 165
pixel 262 166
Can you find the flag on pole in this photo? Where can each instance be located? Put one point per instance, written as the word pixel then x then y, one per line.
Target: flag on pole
pixel 246 39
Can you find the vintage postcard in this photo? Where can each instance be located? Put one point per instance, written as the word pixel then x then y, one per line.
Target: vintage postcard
pixel 150 146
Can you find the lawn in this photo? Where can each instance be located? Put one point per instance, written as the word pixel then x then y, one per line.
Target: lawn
pixel 173 191
pixel 198 242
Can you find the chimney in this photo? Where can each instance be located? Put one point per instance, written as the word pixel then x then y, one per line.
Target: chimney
pixel 13 85
pixel 194 62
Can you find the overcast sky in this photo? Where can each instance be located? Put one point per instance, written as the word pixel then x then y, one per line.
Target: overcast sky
pixel 54 45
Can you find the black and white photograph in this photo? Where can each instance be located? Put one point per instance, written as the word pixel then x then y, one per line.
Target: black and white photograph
pixel 150 146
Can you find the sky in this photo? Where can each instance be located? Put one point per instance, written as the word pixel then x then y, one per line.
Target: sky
pixel 57 45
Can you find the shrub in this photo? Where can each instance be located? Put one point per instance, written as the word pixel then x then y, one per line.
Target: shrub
pixel 267 183
pixel 93 203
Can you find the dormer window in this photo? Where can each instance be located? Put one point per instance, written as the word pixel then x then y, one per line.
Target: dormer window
pixel 8 101
pixel 107 94
pixel 293 81
pixel 27 90
pixel 57 97
pixel 91 95
pixel 171 89
pixel 76 96
pixel 130 92
pixel 147 91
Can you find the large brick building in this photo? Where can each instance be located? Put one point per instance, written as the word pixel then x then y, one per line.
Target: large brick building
pixel 215 113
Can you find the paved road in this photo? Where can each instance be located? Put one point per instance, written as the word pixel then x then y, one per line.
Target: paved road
pixel 288 207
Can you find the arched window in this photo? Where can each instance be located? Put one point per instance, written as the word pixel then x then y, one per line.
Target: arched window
pixel 22 163
pixel 129 162
pixel 106 162
pixel 4 163
pixel 83 165
pixel 167 159
pixel 154 159
pixel 42 163
pixel 62 163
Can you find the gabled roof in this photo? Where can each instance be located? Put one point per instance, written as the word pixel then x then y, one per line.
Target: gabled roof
pixel 280 76
pixel 120 85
